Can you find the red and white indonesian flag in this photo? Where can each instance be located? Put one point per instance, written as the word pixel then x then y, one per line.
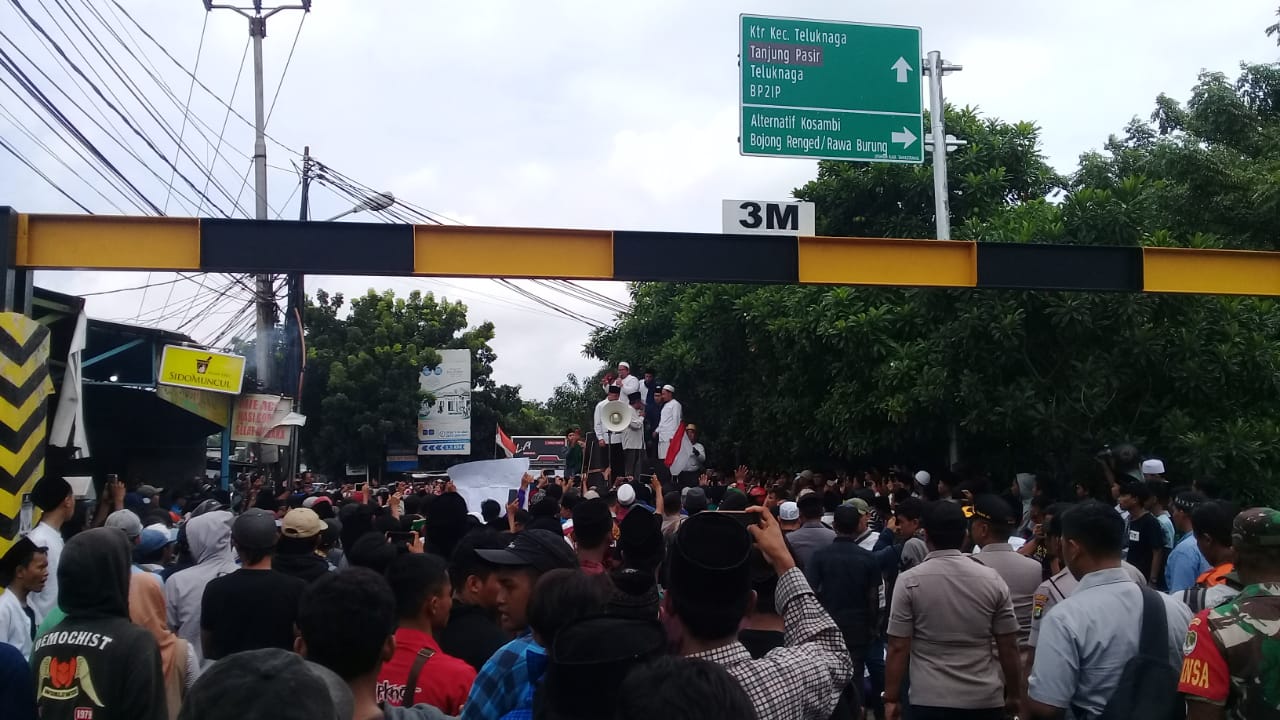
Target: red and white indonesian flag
pixel 504 442
pixel 679 452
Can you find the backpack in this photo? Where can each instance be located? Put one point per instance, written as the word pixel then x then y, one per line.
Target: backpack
pixel 1148 688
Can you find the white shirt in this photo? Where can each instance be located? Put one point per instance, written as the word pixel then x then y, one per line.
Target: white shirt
pixel 630 384
pixel 633 436
pixel 612 438
pixel 669 424
pixel 699 460
pixel 15 626
pixel 46 600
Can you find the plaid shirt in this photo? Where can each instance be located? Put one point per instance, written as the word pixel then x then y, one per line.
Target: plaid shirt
pixel 503 682
pixel 803 680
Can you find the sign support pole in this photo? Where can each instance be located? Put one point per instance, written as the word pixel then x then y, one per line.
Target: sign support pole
pixel 935 67
pixel 226 446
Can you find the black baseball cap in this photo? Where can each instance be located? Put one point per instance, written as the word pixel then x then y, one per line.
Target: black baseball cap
pixel 541 550
pixel 993 509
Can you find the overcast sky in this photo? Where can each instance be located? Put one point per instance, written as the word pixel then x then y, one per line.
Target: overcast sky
pixel 553 114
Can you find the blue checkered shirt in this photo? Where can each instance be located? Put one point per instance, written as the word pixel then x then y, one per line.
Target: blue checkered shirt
pixel 503 682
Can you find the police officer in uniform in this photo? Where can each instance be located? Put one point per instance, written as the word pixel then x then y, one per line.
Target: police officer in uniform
pixel 1231 666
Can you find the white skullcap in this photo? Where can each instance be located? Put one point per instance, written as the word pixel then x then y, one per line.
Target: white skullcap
pixel 924 478
pixel 626 494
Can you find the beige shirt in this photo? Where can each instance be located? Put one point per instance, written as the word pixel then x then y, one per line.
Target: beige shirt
pixel 952 608
pixel 1022 574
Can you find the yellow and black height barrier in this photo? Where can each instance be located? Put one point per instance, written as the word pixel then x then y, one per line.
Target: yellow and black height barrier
pixel 97 242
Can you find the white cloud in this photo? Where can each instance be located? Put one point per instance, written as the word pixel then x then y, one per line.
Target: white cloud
pixel 582 114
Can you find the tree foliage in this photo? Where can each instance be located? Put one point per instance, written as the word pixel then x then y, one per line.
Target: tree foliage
pixel 783 376
pixel 362 390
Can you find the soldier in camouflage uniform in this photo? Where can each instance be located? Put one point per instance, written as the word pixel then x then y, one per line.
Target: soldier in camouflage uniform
pixel 1232 652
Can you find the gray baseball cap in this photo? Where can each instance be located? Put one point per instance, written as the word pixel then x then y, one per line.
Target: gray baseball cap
pixel 126 520
pixel 255 529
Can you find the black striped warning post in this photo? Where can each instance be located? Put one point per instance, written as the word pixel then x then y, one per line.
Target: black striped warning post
pixel 25 386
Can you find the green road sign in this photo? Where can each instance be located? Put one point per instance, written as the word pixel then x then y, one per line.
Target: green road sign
pixel 830 90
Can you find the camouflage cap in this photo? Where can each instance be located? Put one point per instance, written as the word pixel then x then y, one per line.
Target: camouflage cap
pixel 1256 527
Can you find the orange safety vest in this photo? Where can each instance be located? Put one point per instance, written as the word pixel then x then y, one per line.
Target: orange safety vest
pixel 1216 576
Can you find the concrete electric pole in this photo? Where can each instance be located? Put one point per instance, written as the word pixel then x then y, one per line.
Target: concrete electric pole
pixel 265 285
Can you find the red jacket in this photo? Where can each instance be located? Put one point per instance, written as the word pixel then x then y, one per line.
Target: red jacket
pixel 445 681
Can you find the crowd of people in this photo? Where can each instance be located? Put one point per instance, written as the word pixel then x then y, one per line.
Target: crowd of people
pixel 895 593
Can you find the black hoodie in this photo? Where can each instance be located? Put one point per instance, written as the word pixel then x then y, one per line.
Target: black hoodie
pixel 307 567
pixel 95 664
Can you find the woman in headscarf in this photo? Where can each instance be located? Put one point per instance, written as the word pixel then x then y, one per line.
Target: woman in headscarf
pixel 177 657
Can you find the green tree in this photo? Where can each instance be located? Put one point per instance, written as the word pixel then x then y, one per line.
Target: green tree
pixel 794 376
pixel 362 390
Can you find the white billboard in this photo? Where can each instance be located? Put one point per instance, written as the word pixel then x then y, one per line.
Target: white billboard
pixel 444 427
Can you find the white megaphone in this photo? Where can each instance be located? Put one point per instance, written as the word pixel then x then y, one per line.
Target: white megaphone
pixel 616 416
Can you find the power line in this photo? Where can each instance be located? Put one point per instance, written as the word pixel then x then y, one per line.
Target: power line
pixel 223 132
pixel 21 78
pixel 129 289
pixel 13 120
pixel 12 151
pixel 186 109
pixel 285 71
pixel 123 117
pixel 183 68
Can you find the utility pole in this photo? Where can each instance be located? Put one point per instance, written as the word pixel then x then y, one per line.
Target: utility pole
pixel 265 285
pixel 935 67
pixel 294 307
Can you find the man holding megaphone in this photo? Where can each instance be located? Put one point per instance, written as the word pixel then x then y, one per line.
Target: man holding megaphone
pixel 612 418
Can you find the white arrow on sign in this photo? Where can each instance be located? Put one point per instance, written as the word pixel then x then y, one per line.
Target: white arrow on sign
pixel 906 137
pixel 903 67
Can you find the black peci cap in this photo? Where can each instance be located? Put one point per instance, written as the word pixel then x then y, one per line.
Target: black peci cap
pixel 710 558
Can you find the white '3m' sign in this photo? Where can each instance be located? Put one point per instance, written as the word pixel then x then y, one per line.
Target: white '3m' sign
pixel 768 217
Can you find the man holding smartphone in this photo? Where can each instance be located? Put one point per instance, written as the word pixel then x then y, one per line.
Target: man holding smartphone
pixel 709 593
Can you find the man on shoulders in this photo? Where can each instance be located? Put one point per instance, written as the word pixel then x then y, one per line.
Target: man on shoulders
pixel 1084 644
